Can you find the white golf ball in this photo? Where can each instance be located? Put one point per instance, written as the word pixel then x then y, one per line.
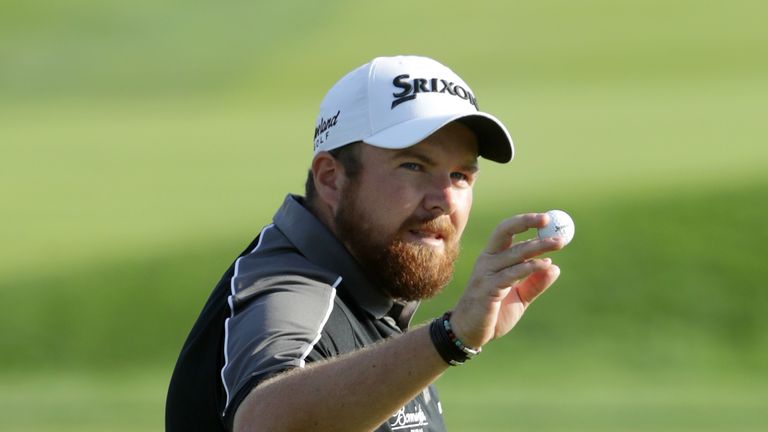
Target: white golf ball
pixel 560 225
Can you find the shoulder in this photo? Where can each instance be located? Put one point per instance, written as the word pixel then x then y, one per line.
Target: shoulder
pixel 274 266
pixel 294 302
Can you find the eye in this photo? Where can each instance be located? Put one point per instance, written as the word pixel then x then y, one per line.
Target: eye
pixel 412 166
pixel 460 177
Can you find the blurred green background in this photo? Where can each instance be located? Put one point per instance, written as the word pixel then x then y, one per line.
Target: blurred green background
pixel 144 143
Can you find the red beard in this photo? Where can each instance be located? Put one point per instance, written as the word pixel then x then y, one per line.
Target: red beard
pixel 403 270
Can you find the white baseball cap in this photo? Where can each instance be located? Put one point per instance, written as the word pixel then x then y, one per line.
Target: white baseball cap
pixel 396 102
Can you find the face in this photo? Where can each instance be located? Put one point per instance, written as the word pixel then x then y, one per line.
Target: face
pixel 403 215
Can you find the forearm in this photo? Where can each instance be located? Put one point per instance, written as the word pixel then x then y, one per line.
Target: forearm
pixel 363 388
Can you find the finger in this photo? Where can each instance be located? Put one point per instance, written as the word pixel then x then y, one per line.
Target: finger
pixel 502 236
pixel 510 275
pixel 523 251
pixel 536 283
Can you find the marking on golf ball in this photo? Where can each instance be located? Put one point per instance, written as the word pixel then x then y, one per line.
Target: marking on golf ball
pixel 560 225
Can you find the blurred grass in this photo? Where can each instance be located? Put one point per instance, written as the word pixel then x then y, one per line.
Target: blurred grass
pixel 577 399
pixel 142 144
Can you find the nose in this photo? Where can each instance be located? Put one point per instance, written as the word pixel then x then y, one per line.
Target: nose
pixel 441 198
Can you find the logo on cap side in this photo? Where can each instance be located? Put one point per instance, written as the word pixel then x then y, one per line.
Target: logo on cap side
pixel 322 129
pixel 412 87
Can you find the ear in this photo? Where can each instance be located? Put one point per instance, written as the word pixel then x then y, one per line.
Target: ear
pixel 329 177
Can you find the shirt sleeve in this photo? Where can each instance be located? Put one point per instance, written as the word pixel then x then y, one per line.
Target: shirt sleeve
pixel 276 325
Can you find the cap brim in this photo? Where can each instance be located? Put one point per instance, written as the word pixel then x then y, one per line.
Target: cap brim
pixel 493 139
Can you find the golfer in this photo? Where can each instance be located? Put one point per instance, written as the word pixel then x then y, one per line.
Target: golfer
pixel 309 329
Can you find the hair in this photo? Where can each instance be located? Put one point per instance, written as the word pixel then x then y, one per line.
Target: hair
pixel 349 157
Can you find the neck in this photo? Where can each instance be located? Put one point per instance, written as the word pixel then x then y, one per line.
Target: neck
pixel 323 212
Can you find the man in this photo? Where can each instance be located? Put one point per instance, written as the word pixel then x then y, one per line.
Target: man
pixel 307 329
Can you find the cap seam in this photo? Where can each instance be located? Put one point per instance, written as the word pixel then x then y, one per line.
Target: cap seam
pixel 368 97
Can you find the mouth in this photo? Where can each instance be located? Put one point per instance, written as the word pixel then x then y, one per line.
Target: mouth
pixel 432 238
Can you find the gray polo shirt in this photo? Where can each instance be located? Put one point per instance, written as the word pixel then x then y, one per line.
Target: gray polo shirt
pixel 293 297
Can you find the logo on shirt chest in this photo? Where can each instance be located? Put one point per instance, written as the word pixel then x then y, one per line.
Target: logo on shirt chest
pixel 408 417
